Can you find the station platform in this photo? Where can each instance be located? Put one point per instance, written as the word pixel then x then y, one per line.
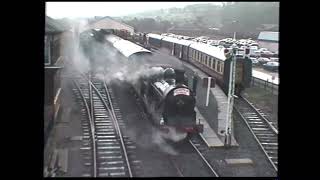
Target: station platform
pixel 208 135
pixel 215 136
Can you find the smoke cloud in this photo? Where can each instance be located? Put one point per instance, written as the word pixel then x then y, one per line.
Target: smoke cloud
pixel 106 63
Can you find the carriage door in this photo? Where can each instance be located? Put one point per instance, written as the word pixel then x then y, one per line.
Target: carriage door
pixel 181 49
pixel 173 45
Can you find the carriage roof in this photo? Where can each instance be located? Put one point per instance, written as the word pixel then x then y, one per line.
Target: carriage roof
pixel 127 48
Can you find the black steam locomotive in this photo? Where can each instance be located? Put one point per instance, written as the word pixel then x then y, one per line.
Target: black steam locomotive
pixel 167 98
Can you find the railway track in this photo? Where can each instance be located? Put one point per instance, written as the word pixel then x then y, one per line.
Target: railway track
pixel 200 148
pixel 262 115
pixel 106 151
pixel 263 131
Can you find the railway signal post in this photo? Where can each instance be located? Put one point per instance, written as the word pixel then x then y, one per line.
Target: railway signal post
pixel 228 130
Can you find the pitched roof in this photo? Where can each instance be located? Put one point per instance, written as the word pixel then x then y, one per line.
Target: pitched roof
pixel 108 17
pixel 269 36
pixel 53 25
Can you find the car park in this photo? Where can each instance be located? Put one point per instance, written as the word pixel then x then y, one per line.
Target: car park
pixel 272 66
pixel 266 54
pixel 255 61
pixel 274 59
pixel 263 60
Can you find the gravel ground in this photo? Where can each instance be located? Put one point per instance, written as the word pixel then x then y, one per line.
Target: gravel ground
pixel 248 148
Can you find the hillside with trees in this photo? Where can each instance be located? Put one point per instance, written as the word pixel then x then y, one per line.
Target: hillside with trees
pixel 243 17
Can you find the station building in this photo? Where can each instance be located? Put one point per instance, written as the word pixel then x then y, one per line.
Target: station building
pixel 57 50
pixel 269 40
pixel 109 23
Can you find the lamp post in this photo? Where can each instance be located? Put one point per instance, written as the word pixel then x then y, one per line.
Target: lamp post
pixel 231 87
pixel 234 33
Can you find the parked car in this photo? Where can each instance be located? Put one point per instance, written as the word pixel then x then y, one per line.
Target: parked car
pixel 272 66
pixel 274 59
pixel 275 54
pixel 263 49
pixel 263 60
pixel 255 61
pixel 267 54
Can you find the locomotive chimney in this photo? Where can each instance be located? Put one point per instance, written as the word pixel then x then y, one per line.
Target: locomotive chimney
pixel 180 76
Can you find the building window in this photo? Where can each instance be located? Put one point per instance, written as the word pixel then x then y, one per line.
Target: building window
pixel 47 50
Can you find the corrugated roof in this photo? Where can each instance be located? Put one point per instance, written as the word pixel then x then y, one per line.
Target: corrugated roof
pixel 269 36
pixel 54 26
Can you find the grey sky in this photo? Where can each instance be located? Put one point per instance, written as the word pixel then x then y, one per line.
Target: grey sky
pixel 90 9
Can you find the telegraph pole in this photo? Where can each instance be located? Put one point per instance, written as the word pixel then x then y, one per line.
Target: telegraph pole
pixel 231 88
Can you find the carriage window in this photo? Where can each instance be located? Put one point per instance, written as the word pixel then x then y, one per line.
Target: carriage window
pixel 213 63
pixel 210 62
pixel 206 57
pixel 202 58
pixel 218 66
pixel 197 55
pixel 222 65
